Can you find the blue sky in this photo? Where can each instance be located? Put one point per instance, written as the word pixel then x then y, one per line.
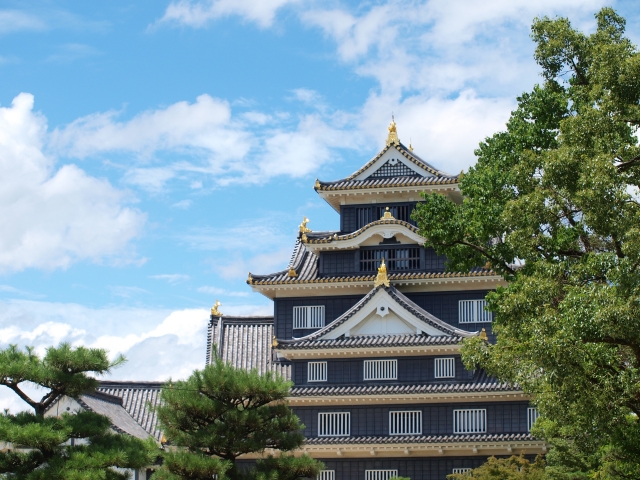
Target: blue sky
pixel 153 152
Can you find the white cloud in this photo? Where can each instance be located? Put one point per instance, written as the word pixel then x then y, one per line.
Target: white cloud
pixel 172 278
pixel 16 20
pixel 183 204
pixel 53 217
pixel 199 13
pixel 221 292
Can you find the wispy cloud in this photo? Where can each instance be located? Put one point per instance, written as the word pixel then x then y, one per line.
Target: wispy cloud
pixel 221 292
pixel 172 278
pixel 199 13
pixel 127 291
pixel 16 20
pixel 71 52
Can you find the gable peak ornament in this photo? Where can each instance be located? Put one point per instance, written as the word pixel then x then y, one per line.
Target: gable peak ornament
pixel 381 278
pixel 392 138
pixel 214 310
pixel 387 215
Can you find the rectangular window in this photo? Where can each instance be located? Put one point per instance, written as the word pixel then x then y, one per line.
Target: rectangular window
pixel 308 317
pixel 380 474
pixel 317 371
pixel 396 259
pixel 334 424
pixel 472 311
pixel 532 416
pixel 405 423
pixel 461 470
pixel 380 369
pixel 445 367
pixel 327 475
pixel 470 421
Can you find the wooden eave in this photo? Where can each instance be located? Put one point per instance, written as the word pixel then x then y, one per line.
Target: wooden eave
pixel 372 351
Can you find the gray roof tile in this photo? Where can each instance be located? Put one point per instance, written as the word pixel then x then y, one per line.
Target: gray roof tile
pixel 513 437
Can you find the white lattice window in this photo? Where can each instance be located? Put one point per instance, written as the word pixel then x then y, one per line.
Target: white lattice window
pixel 308 317
pixel 380 474
pixel 532 416
pixel 405 423
pixel 380 369
pixel 472 311
pixel 470 420
pixel 445 367
pixel 327 475
pixel 317 371
pixel 461 470
pixel 334 424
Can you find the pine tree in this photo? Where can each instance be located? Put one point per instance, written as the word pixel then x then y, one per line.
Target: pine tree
pixel 72 446
pixel 221 413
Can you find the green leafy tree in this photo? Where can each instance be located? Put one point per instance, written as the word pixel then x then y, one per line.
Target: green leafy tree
pixel 512 468
pixel 221 413
pixel 72 446
pixel 552 205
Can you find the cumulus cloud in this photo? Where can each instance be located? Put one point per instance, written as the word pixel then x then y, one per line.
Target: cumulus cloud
pixel 55 216
pixel 198 13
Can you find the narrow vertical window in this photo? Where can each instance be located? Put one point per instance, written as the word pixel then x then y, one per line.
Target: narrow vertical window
pixel 380 369
pixel 445 367
pixel 470 421
pixel 327 475
pixel 334 424
pixel 461 470
pixel 317 371
pixel 532 416
pixel 308 317
pixel 473 311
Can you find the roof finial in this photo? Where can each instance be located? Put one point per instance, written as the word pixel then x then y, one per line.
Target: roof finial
pixel 392 138
pixel 382 278
pixel 483 335
pixel 214 310
pixel 387 215
pixel 410 146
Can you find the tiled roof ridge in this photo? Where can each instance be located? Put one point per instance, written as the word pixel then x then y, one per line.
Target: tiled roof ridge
pixel 360 231
pixel 247 319
pixel 130 384
pixel 422 313
pixel 396 295
pixel 370 341
pixel 485 437
pixel 408 154
pixel 384 182
pixel 106 397
pixel 343 390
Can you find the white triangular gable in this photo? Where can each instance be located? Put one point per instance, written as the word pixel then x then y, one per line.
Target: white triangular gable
pixel 392 154
pixel 383 315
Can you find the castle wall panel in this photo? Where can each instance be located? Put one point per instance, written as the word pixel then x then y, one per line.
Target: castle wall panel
pixel 410 370
pixel 502 417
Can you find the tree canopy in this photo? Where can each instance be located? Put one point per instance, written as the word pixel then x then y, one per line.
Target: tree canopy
pixel 74 446
pixel 220 413
pixel 552 205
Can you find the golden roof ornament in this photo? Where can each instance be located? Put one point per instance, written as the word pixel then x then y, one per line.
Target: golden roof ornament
pixel 387 215
pixel 483 335
pixel 250 279
pixel 274 342
pixel 292 272
pixel 410 146
pixel 214 310
pixel 392 138
pixel 381 278
pixel 317 183
pixel 303 226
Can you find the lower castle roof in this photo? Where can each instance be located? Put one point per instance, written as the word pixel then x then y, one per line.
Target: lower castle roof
pixel 498 437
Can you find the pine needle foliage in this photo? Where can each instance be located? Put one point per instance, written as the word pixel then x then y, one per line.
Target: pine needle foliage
pixel 221 413
pixel 71 446
pixel 512 468
pixel 553 205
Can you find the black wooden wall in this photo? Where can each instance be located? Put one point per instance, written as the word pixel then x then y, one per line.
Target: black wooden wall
pixel 443 305
pixel 351 371
pixel 437 419
pixel 354 217
pixel 349 261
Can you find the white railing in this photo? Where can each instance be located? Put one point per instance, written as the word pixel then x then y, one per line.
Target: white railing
pixel 380 474
pixel 461 470
pixel 327 475
pixel 532 416
pixel 308 317
pixel 334 424
pixel 380 369
pixel 470 421
pixel 405 423
pixel 472 311
pixel 317 371
pixel 445 367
